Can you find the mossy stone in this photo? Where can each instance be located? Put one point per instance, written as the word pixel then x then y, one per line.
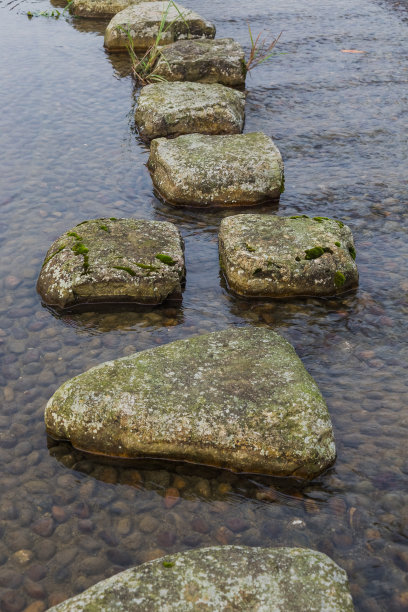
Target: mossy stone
pixel 101 8
pixel 113 260
pixel 172 109
pixel 239 399
pixel 216 171
pixel 142 22
pixel 271 256
pixel 221 60
pixel 223 578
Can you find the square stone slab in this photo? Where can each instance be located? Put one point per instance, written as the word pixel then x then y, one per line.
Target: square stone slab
pixel 270 256
pixel 238 398
pixel 101 8
pixel 113 260
pixel 214 171
pixel 208 61
pixel 143 22
pixel 172 109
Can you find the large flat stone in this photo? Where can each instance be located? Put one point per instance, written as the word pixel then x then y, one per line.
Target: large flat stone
pixel 221 579
pixel 110 260
pixel 101 8
pixel 270 256
pixel 143 21
pixel 210 171
pixel 208 61
pixel 172 109
pixel 239 399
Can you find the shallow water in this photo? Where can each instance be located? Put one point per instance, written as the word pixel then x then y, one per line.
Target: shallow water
pixel 68 152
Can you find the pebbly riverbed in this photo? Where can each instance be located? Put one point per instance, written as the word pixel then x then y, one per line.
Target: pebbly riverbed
pixel 70 152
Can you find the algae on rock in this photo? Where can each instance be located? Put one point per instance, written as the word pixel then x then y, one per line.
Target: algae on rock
pixel 221 579
pixel 271 256
pixel 142 23
pixel 172 109
pixel 221 60
pixel 216 171
pixel 113 260
pixel 239 399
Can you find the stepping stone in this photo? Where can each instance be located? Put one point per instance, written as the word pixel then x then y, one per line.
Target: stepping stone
pixel 143 22
pixel 100 8
pixel 113 260
pixel 240 578
pixel 239 399
pixel 270 256
pixel 210 171
pixel 208 61
pixel 172 109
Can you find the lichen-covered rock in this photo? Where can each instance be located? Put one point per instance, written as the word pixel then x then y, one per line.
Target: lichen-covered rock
pixel 209 61
pixel 223 578
pixel 210 171
pixel 113 260
pixel 143 20
pixel 270 256
pixel 100 8
pixel 172 109
pixel 239 399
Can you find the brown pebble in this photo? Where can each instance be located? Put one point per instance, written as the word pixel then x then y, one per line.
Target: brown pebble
pixel 56 598
pixel 86 525
pixel 179 482
pixel 223 535
pixel 9 578
pixel 237 524
pixel 311 506
pixel 151 554
pixel 200 525
pixel 171 498
pixel 36 571
pixel 44 550
pixel 401 559
pixel 34 589
pixel 11 282
pixel 11 601
pixel 36 606
pixel 148 524
pixel 224 488
pixel 81 509
pixel 267 495
pixel 44 527
pixel 338 506
pixel 166 538
pixel 60 514
pixel 8 394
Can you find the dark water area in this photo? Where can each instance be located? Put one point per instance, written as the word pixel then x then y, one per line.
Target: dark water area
pixel 69 152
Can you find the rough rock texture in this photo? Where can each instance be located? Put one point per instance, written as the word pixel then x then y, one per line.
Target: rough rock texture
pixel 172 109
pixel 100 8
pixel 269 256
pixel 108 260
pixel 143 21
pixel 223 578
pixel 208 61
pixel 209 171
pixel 239 399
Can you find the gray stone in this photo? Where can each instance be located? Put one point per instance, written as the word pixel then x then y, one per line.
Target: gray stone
pixel 270 256
pixel 143 20
pixel 213 171
pixel 101 8
pixel 209 61
pixel 108 260
pixel 223 578
pixel 172 109
pixel 239 399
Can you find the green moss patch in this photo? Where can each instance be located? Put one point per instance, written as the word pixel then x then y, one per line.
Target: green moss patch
pixel 339 279
pixel 166 259
pixel 126 269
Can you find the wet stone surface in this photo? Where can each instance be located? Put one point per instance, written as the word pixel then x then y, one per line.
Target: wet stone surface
pixel 273 421
pixel 216 171
pixel 69 153
pixel 264 256
pixel 143 21
pixel 208 61
pixel 219 578
pixel 109 259
pixel 172 109
pixel 100 8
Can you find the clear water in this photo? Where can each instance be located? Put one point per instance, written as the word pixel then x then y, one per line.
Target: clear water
pixel 68 152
